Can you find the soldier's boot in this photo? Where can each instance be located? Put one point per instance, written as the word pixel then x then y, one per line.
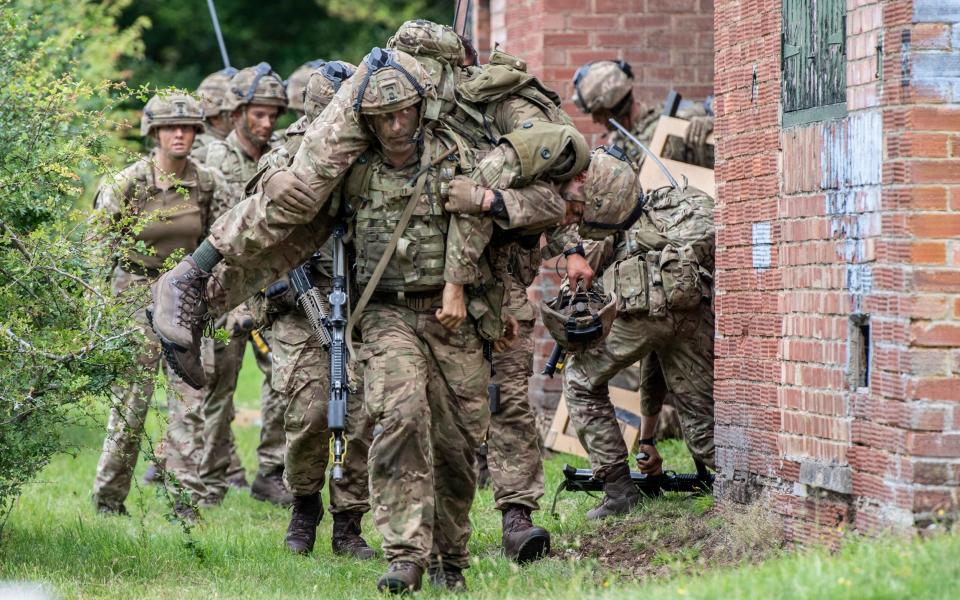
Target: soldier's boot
pixel 269 487
pixel 346 538
pixel 176 316
pixel 152 475
pixel 110 508
pixel 238 482
pixel 402 577
pixel 522 541
pixel 302 530
pixel 620 494
pixel 448 577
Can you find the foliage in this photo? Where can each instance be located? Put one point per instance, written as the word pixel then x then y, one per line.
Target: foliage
pixel 63 339
pixel 181 47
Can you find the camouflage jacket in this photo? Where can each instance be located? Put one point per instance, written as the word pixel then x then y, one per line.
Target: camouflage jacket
pixel 236 166
pixel 181 213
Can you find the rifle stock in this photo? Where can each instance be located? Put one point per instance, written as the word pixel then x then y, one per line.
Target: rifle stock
pixel 339 358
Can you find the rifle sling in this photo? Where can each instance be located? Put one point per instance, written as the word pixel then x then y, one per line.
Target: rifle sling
pixel 389 250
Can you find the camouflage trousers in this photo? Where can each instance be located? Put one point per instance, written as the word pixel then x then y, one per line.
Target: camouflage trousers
pixel 514 455
pixel 223 368
pixel 683 342
pixel 425 389
pixel 301 373
pixel 183 438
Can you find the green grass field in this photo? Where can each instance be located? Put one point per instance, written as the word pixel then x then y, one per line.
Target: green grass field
pixel 54 537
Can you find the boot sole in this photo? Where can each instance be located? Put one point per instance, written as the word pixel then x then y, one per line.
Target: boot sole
pixel 395 586
pixel 170 354
pixel 534 549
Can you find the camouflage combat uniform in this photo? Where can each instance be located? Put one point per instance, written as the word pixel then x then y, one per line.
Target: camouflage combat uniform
pixel 681 334
pixel 237 167
pixel 301 373
pixel 186 220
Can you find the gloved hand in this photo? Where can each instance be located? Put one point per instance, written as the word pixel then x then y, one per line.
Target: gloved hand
pixel 283 187
pixel 239 322
pixel 700 128
pixel 465 196
pixel 280 296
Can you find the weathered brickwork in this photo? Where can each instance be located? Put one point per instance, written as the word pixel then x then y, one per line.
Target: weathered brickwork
pixel 832 236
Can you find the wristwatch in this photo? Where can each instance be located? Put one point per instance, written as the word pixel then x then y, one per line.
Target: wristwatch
pixel 497 208
pixel 647 442
pixel 578 249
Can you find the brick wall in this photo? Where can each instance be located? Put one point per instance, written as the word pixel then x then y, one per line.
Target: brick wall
pixel 669 44
pixel 824 229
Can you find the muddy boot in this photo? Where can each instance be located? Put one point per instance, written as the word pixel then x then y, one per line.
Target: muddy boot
pixel 402 577
pixel 269 487
pixel 448 578
pixel 302 531
pixel 346 539
pixel 620 494
pixel 152 475
pixel 110 509
pixel 522 541
pixel 177 318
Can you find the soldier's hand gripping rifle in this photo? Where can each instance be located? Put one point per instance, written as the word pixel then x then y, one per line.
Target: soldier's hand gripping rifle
pixel 331 330
pixel 651 486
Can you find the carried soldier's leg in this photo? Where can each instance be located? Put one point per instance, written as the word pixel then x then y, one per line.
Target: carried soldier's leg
pixel 268 484
pixel 513 451
pixel 586 390
pixel 125 426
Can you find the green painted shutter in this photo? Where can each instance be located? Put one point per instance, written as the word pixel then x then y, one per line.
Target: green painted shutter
pixel 813 60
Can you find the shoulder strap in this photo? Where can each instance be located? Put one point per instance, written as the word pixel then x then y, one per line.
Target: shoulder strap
pixel 391 247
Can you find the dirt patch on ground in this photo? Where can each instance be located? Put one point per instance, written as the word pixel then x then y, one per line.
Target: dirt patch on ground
pixel 679 534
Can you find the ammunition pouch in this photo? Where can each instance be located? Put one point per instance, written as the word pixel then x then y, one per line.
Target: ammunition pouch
pixel 657 281
pixel 628 280
pixel 680 274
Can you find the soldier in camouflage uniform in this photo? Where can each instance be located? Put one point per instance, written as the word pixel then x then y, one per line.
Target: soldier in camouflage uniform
pixel 255 97
pixel 663 288
pixel 167 181
pixel 297 85
pixel 216 118
pixel 301 372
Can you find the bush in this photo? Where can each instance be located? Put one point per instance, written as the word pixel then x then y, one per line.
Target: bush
pixel 63 339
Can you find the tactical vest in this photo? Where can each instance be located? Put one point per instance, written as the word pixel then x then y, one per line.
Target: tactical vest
pixel 378 195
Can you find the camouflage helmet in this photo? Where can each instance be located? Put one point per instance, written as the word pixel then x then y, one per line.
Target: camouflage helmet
pixel 323 84
pixel 579 321
pixel 213 91
pixel 390 80
pixel 171 109
pixel 297 83
pixel 426 38
pixel 255 85
pixel 602 85
pixel 614 199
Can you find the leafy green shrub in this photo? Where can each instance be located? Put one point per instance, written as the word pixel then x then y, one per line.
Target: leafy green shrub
pixel 64 340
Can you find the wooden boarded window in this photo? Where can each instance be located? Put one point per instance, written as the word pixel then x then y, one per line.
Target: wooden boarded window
pixel 813 60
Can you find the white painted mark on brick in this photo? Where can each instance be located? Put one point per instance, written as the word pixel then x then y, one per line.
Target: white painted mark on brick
pixel 762 245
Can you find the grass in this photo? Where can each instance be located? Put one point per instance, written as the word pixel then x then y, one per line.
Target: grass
pixel 55 538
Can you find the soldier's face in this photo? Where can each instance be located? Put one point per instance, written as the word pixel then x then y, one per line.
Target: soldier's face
pixel 259 121
pixel 397 130
pixel 572 192
pixel 176 140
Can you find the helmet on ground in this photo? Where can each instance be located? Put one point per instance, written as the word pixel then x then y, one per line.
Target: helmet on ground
pixel 171 109
pixel 297 83
pixel 579 321
pixel 255 85
pixel 389 80
pixel 612 192
pixel 603 84
pixel 213 91
pixel 323 84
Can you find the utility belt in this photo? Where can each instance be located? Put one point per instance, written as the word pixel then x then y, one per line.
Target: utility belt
pixel 416 301
pixel 142 271
pixel 654 282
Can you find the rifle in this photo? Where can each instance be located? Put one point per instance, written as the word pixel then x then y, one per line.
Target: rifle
pixel 331 332
pixel 555 361
pixel 651 486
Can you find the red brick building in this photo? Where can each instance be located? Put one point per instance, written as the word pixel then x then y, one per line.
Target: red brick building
pixel 838 243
